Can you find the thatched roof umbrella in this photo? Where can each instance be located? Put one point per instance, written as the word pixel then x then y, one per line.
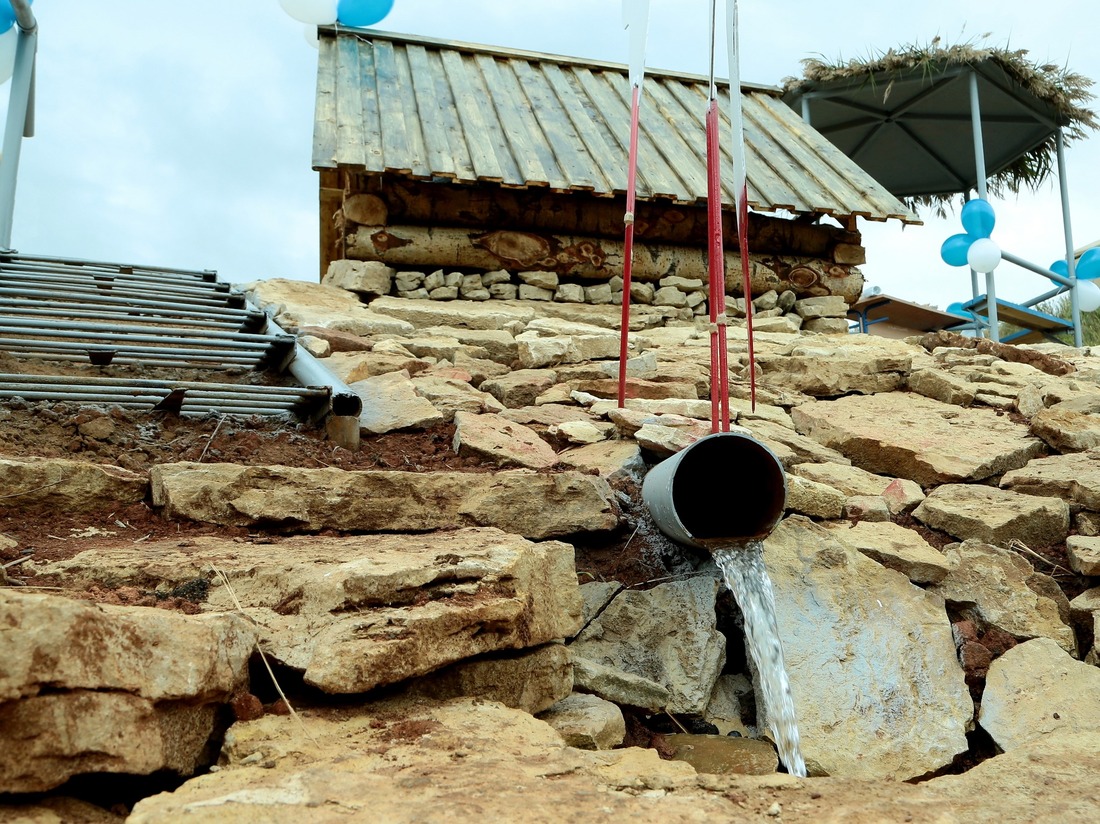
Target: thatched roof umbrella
pixel 904 116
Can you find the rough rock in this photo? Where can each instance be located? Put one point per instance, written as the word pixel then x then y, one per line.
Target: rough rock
pixel 612 460
pixel 295 303
pixel 1084 554
pixel 91 688
pixel 723 755
pixel 533 505
pixel 896 547
pixel 997 516
pixel 1036 689
pixel 359 612
pixel 666 635
pixel 61 485
pixel 521 387
pixel 587 722
pixel 1070 426
pixel 814 499
pixel 867 508
pixel 531 681
pixel 450 395
pixel 500 440
pixel 909 436
pixel 371 278
pixel 390 403
pixel 995 587
pixel 943 386
pixel 823 370
pixel 726 704
pixel 1074 478
pixel 876 684
pixel 618 686
pixel 357 366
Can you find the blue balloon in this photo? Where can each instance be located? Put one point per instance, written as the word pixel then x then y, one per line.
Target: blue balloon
pixel 1059 267
pixel 957 309
pixel 7 15
pixel 358 13
pixel 1088 265
pixel 954 249
pixel 978 218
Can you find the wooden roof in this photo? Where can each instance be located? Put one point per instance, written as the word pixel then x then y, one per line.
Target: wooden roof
pixel 462 113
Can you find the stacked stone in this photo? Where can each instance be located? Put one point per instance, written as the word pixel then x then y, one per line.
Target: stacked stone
pixel 772 311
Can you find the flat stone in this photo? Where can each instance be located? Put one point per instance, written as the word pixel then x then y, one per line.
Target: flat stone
pixel 296 303
pixel 664 440
pixel 1036 689
pixel 1084 554
pixel 922 440
pixel 500 440
pixel 391 403
pixel 995 587
pixel 62 485
pixel 997 516
pixel 723 755
pixel 867 508
pixel 814 499
pixel 896 547
pixel 666 635
pixel 569 293
pixel 618 686
pixel 449 395
pixel 826 326
pixel 942 386
pixel 825 370
pixel 611 460
pixel 1070 426
pixel 352 367
pixel 1074 478
pixel 587 722
pixel 97 688
pixel 826 306
pixel 530 680
pixel 360 612
pixel 338 341
pixel 531 504
pixel 877 687
pixel 462 314
pixel 543 280
pixel 521 387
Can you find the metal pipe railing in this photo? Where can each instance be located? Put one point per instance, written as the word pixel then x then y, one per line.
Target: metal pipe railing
pixel 206 309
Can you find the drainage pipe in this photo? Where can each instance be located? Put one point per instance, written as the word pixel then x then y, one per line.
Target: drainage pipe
pixel 309 371
pixel 722 491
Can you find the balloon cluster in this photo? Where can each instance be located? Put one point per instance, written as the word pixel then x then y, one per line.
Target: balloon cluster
pixel 974 246
pixel 1086 272
pixel 355 13
pixel 9 38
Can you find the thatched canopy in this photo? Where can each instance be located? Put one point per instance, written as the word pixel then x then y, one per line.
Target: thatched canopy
pixel 904 116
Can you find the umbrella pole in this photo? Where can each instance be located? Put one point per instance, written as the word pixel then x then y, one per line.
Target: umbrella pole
pixel 628 244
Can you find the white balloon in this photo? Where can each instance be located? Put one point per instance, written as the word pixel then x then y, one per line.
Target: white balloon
pixel 1088 295
pixel 8 41
pixel 983 255
pixel 315 12
pixel 309 32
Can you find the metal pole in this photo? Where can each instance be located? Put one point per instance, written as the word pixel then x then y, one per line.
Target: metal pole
pixel 20 118
pixel 979 174
pixel 1071 262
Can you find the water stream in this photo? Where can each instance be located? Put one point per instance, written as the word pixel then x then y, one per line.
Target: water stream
pixel 742 565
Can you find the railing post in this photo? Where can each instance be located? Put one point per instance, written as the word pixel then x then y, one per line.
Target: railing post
pixel 20 121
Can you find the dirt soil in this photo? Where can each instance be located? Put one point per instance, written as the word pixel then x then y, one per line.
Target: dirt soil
pixel 636 555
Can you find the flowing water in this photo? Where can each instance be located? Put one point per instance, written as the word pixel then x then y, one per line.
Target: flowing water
pixel 742 564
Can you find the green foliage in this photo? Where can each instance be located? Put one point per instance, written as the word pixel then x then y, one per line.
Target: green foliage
pixel 1060 308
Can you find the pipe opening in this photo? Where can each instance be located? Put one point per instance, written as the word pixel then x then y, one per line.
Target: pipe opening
pixel 723 487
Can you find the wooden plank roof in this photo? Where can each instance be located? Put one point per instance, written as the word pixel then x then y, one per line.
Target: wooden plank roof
pixel 430 109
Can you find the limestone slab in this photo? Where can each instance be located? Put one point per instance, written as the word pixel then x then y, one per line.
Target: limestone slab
pixel 298 303
pixel 877 687
pixel 1074 478
pixel 896 547
pixel 450 395
pixel 500 440
pixel 997 516
pixel 535 505
pixel 1036 689
pixel 666 635
pixel 391 403
pixel 62 485
pixel 587 722
pixel 922 440
pixel 993 587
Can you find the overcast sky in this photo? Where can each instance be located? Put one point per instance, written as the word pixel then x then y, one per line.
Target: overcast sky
pixel 180 133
